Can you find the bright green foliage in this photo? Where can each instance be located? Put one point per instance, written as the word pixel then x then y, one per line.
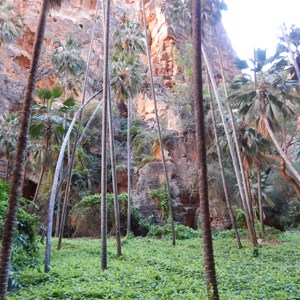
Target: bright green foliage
pixel 182 232
pixel 153 269
pixel 25 248
pixel 93 201
pixel 87 211
pixel 161 195
pixel 48 121
pixel 85 171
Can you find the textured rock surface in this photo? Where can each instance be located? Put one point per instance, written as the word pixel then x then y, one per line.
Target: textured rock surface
pixel 74 19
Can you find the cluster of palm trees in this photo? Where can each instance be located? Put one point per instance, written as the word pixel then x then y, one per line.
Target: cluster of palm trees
pixel 263 105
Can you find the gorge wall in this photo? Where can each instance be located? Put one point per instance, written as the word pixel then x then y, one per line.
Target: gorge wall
pixel 167 42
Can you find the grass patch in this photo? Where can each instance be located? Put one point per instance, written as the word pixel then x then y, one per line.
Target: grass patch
pixel 153 269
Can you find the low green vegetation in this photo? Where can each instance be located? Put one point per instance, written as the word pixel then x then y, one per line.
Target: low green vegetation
pixel 25 246
pixel 86 214
pixel 154 269
pixel 161 195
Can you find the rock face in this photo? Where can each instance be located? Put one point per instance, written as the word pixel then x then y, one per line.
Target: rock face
pixel 166 42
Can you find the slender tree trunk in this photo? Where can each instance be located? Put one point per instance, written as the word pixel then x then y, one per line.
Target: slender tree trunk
pixel 7 169
pixel 241 167
pixel 55 184
pixel 92 117
pixel 235 162
pixel 104 141
pixel 14 196
pixel 280 150
pixel 170 204
pixel 71 161
pixel 128 168
pixel 43 170
pixel 235 137
pixel 248 185
pixel 260 204
pixel 209 264
pixel 249 194
pixel 41 177
pixel 220 158
pixel 24 175
pixel 114 175
pixel 58 209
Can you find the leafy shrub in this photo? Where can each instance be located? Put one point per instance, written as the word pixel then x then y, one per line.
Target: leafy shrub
pixel 161 195
pixel 181 232
pixel 25 249
pixel 142 141
pixel 87 214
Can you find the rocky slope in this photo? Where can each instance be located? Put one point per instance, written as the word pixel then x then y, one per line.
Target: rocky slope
pixel 167 42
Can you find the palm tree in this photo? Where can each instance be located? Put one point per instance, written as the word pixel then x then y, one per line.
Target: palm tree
pixel 10 24
pixel 293 39
pixel 114 175
pixel 8 138
pixel 14 196
pixel 126 70
pixel 252 145
pixel 221 164
pixel 267 107
pixel 68 62
pixel 104 139
pixel 170 204
pixel 48 124
pixel 55 188
pixel 250 226
pixel 209 264
pixel 73 71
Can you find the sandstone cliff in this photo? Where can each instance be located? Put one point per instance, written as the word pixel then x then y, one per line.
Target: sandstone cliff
pixel 167 42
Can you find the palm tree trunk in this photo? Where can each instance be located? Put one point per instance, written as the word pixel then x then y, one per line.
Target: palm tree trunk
pixel 279 149
pixel 104 141
pixel 209 263
pixel 128 169
pixel 24 175
pixel 58 209
pixel 41 177
pixel 14 196
pixel 249 194
pixel 235 162
pixel 260 204
pixel 7 169
pixel 235 138
pixel 55 184
pixel 220 158
pixel 114 175
pixel 170 204
pixel 79 142
pixel 77 138
pixel 43 170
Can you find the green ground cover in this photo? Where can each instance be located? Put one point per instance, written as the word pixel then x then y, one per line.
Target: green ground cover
pixel 153 269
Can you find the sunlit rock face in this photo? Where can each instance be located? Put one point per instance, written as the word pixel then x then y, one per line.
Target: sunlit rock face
pixel 167 41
